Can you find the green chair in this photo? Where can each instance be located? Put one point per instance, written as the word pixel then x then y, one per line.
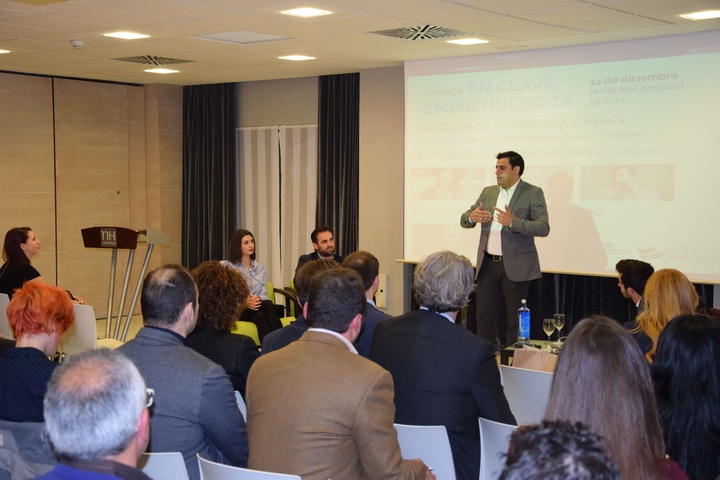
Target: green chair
pixel 292 307
pixel 249 329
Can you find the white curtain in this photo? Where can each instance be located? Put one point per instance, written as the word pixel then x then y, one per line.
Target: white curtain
pixel 277 194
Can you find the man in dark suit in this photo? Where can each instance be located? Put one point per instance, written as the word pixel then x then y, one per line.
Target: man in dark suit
pixel 317 409
pixel 443 374
pixel 282 337
pixel 632 277
pixel 323 242
pixel 511 214
pixel 368 266
pixel 195 409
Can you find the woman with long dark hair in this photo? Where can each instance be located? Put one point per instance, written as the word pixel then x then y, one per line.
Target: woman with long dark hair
pixel 602 381
pixel 20 246
pixel 686 374
pixel 260 310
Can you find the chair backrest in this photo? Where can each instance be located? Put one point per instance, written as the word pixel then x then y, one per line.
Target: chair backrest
pixel 5 329
pixel 431 444
pixel 83 335
pixel 217 471
pixel 241 405
pixel 494 441
pixel 527 392
pixel 163 466
pixel 249 329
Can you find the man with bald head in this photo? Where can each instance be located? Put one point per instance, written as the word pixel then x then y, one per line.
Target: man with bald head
pixel 96 416
pixel 195 409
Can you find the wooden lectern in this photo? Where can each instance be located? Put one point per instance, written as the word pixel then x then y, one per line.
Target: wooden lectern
pixel 125 238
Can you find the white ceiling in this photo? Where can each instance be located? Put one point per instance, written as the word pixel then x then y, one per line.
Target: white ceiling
pixel 38 33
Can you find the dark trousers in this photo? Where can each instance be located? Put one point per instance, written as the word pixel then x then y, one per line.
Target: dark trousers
pixel 494 288
pixel 265 318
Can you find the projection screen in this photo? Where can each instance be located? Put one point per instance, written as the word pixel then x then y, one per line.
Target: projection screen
pixel 623 137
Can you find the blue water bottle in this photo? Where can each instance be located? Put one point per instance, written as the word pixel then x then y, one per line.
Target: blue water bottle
pixel 523 323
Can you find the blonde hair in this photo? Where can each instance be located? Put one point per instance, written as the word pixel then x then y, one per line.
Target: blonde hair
pixel 668 294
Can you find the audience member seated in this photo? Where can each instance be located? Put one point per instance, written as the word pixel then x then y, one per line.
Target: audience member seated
pixel 39 314
pixel 368 266
pixel 317 409
pixel 632 278
pixel 603 381
pixel 285 336
pixel 557 451
pixel 222 293
pixel 686 373
pixel 323 242
pixel 443 374
pixel 668 293
pixel 96 416
pixel 20 246
pixel 195 409
pixel 260 310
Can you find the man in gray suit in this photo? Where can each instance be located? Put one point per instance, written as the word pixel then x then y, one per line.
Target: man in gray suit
pixel 194 408
pixel 511 214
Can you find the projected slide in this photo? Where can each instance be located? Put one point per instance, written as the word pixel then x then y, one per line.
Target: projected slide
pixel 627 150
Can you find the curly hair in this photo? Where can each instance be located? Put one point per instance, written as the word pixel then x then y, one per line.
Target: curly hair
pixel 443 282
pixel 668 294
pixel 222 295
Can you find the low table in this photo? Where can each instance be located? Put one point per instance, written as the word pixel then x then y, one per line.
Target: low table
pixel 508 352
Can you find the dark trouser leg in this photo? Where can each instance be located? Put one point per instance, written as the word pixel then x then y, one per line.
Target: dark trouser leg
pixel 268 309
pixel 513 292
pixel 489 294
pixel 258 318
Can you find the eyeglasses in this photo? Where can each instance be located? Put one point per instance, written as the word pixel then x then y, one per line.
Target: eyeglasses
pixel 149 396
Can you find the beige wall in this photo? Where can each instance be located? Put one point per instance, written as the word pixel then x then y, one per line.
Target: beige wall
pixel 78 154
pixel 292 101
pixel 382 125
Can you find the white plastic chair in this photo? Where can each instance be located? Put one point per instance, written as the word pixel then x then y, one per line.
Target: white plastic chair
pixel 217 471
pixel 527 392
pixel 429 443
pixel 494 441
pixel 83 335
pixel 5 329
pixel 163 466
pixel 241 405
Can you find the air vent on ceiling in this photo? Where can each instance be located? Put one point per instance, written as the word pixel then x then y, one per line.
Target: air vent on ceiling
pixel 152 60
pixel 422 32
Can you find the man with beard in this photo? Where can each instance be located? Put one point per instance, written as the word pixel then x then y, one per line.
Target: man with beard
pixel 323 242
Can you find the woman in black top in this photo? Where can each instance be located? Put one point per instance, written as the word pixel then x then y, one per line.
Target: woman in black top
pixel 20 246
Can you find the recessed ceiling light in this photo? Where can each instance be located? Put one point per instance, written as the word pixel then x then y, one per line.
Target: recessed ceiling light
pixel 161 70
pixel 296 58
pixel 4 51
pixel 306 12
pixel 126 35
pixel 468 41
pixel 707 14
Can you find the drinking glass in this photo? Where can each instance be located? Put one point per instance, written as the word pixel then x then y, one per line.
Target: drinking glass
pixel 559 321
pixel 548 328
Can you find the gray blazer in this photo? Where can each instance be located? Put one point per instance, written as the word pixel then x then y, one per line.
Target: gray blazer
pixel 194 410
pixel 530 220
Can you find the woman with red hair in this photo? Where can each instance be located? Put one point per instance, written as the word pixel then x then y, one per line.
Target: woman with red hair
pixel 39 315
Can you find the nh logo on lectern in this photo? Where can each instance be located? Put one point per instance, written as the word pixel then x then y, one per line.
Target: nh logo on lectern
pixel 108 237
